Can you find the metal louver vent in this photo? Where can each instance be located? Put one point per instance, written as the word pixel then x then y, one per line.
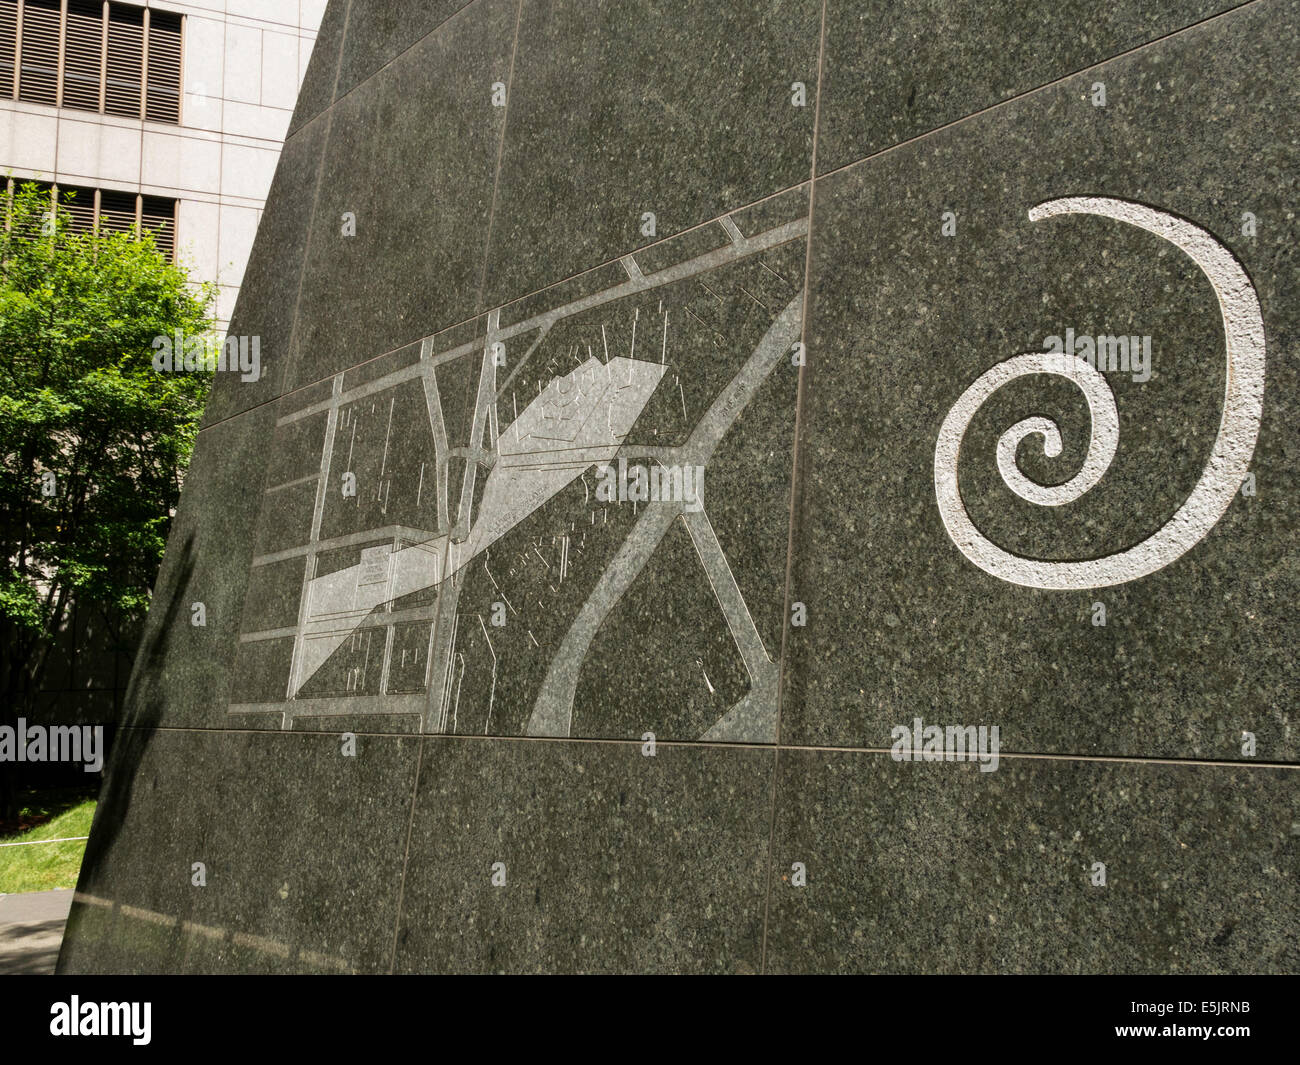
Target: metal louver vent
pixel 83 55
pixel 122 94
pixel 117 212
pixel 158 216
pixel 92 55
pixel 8 45
pixel 79 204
pixel 163 96
pixel 113 212
pixel 38 79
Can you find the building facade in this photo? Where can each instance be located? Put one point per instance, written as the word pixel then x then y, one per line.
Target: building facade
pixel 167 115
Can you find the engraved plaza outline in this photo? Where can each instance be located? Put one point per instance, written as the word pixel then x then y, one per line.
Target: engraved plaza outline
pixel 526 463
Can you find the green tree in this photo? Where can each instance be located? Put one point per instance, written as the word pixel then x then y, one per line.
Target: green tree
pixel 94 442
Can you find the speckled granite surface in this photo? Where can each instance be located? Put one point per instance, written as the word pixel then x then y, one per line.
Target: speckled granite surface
pixel 466 700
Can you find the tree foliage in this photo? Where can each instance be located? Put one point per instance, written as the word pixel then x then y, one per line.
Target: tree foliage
pixel 94 442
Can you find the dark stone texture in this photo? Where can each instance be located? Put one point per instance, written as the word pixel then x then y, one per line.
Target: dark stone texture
pixel 398 532
pixel 585 284
pixel 679 108
pixel 322 69
pixel 770 211
pixel 684 246
pixel 183 671
pixel 636 678
pixel 303 849
pixel 381 30
pixel 939 868
pixel 412 154
pixel 895 71
pixel 904 319
pixel 272 600
pixel 614 862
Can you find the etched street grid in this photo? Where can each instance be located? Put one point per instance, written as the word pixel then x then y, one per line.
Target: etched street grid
pixel 446 544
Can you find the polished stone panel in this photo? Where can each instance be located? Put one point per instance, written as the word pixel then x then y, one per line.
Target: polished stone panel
pixel 610 861
pixel 925 867
pixel 895 71
pixel 266 310
pixel 302 849
pixel 609 715
pixel 183 670
pixel 681 109
pixel 317 90
pixel 381 30
pixel 904 319
pixel 493 597
pixel 410 159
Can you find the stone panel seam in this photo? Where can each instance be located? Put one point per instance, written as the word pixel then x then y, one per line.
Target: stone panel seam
pixel 794 486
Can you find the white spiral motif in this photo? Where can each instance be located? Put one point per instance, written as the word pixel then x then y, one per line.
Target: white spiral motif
pixel 1229 459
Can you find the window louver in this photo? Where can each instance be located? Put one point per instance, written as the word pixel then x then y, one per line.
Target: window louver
pixel 125 61
pixel 8 46
pixel 112 212
pixel 107 57
pixel 163 98
pixel 158 216
pixel 38 80
pixel 79 203
pixel 83 55
pixel 117 212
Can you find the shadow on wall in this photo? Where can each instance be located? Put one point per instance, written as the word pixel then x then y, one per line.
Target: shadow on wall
pixel 141 714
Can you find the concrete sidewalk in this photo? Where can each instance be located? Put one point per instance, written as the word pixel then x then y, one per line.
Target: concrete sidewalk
pixel 31 930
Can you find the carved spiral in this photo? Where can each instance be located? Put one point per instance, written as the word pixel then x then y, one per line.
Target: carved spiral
pixel 1229 458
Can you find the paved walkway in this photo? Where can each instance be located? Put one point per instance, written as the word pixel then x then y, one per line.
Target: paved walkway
pixel 31 930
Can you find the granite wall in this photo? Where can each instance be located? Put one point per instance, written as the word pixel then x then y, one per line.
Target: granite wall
pixel 772 486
